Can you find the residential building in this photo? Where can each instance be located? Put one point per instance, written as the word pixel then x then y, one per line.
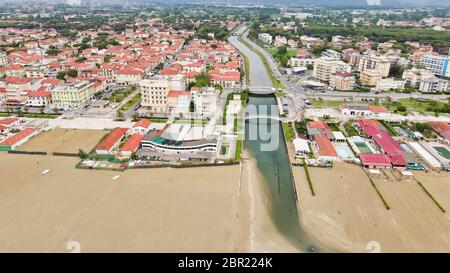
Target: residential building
pixel 72 95
pixel 332 54
pixel 301 62
pixel 206 101
pixel 374 63
pixel 434 85
pixel 414 76
pixel 342 81
pixel 439 65
pixel 389 84
pixel 265 38
pixel 154 91
pixel 325 67
pixel 369 77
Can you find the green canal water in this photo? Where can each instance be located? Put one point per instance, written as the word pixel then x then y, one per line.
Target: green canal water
pixel 277 181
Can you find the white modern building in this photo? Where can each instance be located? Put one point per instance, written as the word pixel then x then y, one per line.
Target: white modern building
pixel 440 65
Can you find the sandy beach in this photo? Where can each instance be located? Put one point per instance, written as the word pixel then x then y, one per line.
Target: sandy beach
pixel 64 140
pixel 346 214
pixel 264 236
pixel 146 210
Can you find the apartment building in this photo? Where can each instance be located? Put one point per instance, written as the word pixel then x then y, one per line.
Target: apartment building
pixel 154 91
pixel 414 76
pixel 374 63
pixel 439 65
pixel 206 101
pixel 434 85
pixel 369 77
pixel 342 81
pixel 72 95
pixel 301 62
pixel 325 67
pixel 265 38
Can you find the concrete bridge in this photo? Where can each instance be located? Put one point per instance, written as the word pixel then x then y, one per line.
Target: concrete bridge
pixel 261 90
pixel 272 117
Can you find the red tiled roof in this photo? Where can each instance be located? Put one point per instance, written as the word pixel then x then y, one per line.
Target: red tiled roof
pixel 175 93
pixel 8 121
pixel 378 109
pixel 375 160
pixel 439 126
pixel 132 143
pixel 129 71
pixel 39 93
pixel 17 80
pixel 111 139
pixel 145 123
pixel 17 137
pixel 325 146
pixel 318 125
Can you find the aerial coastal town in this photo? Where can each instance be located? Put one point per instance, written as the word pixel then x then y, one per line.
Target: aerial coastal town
pixel 141 112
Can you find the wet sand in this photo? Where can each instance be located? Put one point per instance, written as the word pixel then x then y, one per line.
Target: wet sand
pixel 264 236
pixel 346 214
pixel 146 210
pixel 64 140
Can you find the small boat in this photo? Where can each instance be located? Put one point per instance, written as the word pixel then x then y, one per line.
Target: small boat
pixel 115 177
pixel 45 172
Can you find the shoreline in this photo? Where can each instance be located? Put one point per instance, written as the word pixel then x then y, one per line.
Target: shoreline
pixel 264 236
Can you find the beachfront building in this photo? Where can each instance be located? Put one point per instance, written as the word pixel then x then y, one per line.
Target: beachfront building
pixel 154 91
pixel 112 141
pixel 206 100
pixel 342 81
pixel 325 67
pixel 385 142
pixel 12 142
pixel 375 161
pixel 130 146
pixel 442 129
pixel 39 98
pixel 141 127
pixel 301 147
pixel 72 95
pixel 180 142
pixel 439 65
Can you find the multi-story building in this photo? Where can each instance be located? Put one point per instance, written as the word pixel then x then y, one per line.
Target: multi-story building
pixel 154 91
pixel 3 59
pixel 73 95
pixel 206 101
pixel 388 84
pixel 342 81
pixel 374 63
pixel 369 77
pixel 265 38
pixel 414 76
pixel 332 54
pixel 351 56
pixel 325 67
pixel 417 53
pixel 301 62
pixel 440 65
pixel 434 85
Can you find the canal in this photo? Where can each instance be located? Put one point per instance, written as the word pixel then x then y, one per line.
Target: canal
pixel 273 164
